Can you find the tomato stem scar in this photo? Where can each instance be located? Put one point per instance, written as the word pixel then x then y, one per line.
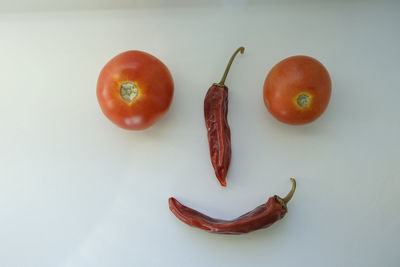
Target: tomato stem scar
pixel 303 100
pixel 128 91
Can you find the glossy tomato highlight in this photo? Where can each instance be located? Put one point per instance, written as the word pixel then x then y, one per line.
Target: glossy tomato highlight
pixel 134 90
pixel 297 90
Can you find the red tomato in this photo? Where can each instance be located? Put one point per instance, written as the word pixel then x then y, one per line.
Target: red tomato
pixel 297 90
pixel 134 90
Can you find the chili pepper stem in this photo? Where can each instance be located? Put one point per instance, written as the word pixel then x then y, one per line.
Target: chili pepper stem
pixel 222 82
pixel 290 194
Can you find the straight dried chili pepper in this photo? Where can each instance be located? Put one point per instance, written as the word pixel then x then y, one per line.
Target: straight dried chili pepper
pixel 219 134
pixel 261 217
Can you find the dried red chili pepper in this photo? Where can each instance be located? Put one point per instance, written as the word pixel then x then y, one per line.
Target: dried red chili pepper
pixel 261 217
pixel 219 134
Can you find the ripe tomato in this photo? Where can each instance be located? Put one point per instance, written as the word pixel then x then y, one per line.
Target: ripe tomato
pixel 134 90
pixel 297 90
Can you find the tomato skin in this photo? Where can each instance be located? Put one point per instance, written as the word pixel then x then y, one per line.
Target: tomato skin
pixel 155 89
pixel 294 77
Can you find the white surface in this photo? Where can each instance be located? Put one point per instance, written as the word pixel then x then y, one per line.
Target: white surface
pixel 77 191
pixel 70 5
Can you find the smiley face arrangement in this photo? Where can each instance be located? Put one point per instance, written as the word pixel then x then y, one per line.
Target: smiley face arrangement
pixel 135 90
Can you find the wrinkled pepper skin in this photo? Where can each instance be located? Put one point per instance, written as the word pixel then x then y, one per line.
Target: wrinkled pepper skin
pixel 261 217
pixel 216 116
pixel 218 131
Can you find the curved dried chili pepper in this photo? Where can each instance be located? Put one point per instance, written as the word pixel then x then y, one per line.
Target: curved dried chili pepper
pixel 219 134
pixel 261 217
